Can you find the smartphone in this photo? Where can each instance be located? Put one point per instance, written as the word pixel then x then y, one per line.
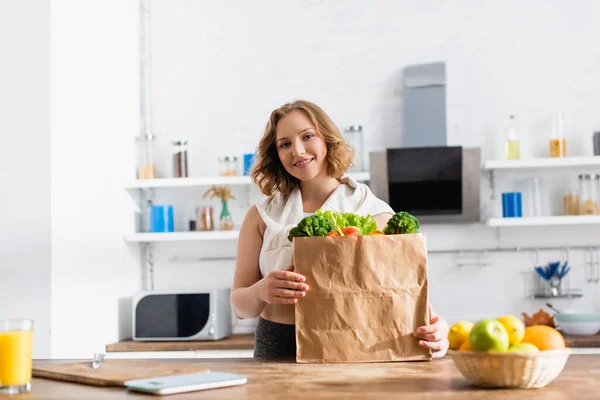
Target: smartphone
pixel 162 385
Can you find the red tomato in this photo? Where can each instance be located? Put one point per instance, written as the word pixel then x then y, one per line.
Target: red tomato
pixel 333 233
pixel 350 231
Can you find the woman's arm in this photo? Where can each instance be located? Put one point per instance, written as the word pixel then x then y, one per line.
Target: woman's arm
pixel 251 292
pixel 245 294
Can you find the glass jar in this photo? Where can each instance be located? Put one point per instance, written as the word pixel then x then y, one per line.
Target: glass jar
pixel 145 157
pixel 180 159
pixel 226 166
pixel 205 219
pixel 571 203
pixel 234 166
pixel 354 137
pixel 589 192
pixel 513 145
pixel 558 144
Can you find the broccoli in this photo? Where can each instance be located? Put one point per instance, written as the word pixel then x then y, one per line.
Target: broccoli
pixel 314 225
pixel 401 223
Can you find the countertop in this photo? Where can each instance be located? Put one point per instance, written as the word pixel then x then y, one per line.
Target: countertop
pixel 233 342
pixel 246 342
pixel 288 380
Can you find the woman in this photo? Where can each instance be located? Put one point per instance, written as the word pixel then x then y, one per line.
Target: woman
pixel 300 160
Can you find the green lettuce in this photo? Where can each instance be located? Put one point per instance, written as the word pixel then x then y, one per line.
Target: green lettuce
pixel 365 224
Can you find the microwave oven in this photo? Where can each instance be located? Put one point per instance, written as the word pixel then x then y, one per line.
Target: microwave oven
pixel 181 315
pixel 437 184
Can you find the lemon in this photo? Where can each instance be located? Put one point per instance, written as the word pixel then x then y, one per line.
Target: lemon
pixel 514 327
pixel 458 333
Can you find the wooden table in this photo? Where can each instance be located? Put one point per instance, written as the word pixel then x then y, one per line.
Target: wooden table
pixel 287 380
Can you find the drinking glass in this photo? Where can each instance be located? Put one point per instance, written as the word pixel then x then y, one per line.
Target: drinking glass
pixel 16 339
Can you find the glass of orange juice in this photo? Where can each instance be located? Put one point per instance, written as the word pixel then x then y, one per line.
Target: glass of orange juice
pixel 16 339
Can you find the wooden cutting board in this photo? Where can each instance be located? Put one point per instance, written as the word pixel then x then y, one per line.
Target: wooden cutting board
pixel 112 372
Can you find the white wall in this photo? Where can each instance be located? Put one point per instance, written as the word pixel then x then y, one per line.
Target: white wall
pixel 219 68
pixel 95 116
pixel 24 166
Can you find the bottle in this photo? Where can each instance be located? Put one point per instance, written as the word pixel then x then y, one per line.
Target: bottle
pixel 558 144
pixel 513 146
pixel 145 157
pixel 354 137
pixel 180 159
pixel 589 194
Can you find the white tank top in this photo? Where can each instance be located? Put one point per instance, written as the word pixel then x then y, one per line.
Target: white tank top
pixel 281 213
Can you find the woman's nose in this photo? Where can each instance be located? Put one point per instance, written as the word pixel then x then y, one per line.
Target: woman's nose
pixel 297 150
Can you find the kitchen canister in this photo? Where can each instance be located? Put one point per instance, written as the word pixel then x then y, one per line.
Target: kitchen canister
pixel 161 218
pixel 248 163
pixel 511 205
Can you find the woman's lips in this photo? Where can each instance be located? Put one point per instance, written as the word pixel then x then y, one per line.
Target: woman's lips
pixel 304 163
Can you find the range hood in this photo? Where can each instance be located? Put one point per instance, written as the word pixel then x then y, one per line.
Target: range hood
pixel 424 106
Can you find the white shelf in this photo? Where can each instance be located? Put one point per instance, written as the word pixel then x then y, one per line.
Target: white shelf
pixel 545 221
pixel 212 180
pixel 532 163
pixel 181 236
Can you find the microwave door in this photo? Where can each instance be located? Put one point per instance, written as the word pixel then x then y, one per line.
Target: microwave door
pixel 425 181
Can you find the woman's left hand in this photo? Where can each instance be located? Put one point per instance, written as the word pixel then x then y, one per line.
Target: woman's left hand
pixel 434 336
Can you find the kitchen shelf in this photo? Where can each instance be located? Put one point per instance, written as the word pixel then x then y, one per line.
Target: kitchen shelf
pixel 545 221
pixel 568 295
pixel 181 236
pixel 534 163
pixel 212 180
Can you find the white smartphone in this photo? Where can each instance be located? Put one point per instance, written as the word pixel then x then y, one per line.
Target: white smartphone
pixel 162 385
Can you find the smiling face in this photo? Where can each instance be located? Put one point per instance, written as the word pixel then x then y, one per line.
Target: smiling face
pixel 301 149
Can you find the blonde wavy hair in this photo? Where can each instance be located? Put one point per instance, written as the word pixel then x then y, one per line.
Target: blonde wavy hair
pixel 269 174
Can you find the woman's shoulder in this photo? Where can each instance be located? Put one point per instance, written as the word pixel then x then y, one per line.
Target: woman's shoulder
pixel 271 204
pixel 366 201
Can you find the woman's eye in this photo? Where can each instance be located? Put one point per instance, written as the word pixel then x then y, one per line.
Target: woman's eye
pixel 309 136
pixel 284 145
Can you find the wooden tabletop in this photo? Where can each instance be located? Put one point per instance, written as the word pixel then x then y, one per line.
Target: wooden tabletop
pixel 233 342
pixel 246 342
pixel 287 380
pixel 582 341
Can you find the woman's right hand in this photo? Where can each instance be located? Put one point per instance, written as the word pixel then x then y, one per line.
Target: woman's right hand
pixel 283 287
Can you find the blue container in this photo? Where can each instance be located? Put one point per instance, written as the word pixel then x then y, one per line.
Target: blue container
pixel 248 162
pixel 511 205
pixel 161 219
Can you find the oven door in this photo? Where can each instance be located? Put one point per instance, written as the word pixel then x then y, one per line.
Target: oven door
pixel 435 184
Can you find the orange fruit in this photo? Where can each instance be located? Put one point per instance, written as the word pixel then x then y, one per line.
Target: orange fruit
pixel 465 346
pixel 544 337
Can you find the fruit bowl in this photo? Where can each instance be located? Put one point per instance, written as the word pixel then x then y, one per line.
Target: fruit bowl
pixel 510 370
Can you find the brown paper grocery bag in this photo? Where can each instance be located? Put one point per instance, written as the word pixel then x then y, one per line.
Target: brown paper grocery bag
pixel 367 295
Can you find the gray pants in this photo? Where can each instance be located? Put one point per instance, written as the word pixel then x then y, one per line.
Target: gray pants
pixel 274 340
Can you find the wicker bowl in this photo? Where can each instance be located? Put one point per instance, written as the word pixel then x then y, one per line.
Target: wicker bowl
pixel 510 370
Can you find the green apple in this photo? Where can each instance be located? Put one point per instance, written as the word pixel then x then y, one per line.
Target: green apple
pixel 488 335
pixel 527 348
